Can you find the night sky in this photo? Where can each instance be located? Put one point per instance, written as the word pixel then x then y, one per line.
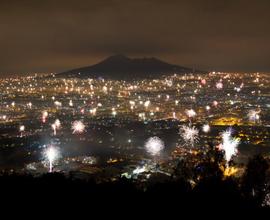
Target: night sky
pixel 53 36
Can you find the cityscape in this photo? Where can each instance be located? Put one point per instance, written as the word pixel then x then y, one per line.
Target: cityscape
pixel 141 126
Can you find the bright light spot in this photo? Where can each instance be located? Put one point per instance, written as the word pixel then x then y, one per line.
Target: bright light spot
pixel 206 128
pixel 78 127
pixel 154 145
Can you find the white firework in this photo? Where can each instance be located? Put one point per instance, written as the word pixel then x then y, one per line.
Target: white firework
pixel 78 127
pixel 189 134
pixel 51 154
pixel 154 145
pixel 206 128
pixel 57 123
pixel 54 129
pixel 219 85
pixel 44 116
pixel 22 128
pixel 229 144
pixel 253 115
pixel 190 113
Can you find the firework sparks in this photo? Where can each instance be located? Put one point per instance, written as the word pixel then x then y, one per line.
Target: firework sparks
pixel 78 127
pixel 56 125
pixel 190 113
pixel 207 107
pixel 206 128
pixel 44 116
pixel 219 85
pixel 51 154
pixel 54 129
pixel 215 103
pixel 229 145
pixel 22 128
pixel 154 145
pixel 189 134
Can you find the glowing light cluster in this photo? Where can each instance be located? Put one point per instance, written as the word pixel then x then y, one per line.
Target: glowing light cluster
pixel 78 127
pixel 206 128
pixel 51 154
pixel 190 113
pixel 229 144
pixel 154 145
pixel 189 134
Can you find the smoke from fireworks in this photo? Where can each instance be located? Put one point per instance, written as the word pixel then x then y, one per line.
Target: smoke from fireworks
pixel 189 134
pixel 154 145
pixel 229 144
pixel 78 127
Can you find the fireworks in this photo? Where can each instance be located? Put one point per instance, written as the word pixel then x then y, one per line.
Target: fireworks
pixel 78 127
pixel 190 113
pixel 70 103
pixel 253 115
pixel 146 104
pixel 54 129
pixel 189 134
pixel 22 128
pixel 229 144
pixel 206 128
pixel 56 125
pixel 215 103
pixel 219 85
pixel 51 154
pixel 203 81
pixel 57 104
pixel 154 145
pixel 44 116
pixel 29 104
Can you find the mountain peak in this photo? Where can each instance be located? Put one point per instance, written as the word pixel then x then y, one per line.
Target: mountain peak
pixel 117 57
pixel 122 67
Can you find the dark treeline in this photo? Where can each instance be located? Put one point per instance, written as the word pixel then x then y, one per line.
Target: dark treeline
pixel 211 188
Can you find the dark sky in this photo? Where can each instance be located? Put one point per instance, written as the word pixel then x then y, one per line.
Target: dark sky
pixel 52 35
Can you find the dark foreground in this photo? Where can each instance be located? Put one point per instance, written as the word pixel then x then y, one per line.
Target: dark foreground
pixel 174 195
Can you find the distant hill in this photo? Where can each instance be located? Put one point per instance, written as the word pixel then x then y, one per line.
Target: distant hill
pixel 122 67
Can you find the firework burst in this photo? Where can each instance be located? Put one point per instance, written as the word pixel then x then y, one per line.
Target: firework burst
pixel 44 116
pixel 219 85
pixel 229 144
pixel 206 128
pixel 190 113
pixel 78 127
pixel 154 145
pixel 189 134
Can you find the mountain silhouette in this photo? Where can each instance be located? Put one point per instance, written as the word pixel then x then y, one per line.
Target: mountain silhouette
pixel 122 67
